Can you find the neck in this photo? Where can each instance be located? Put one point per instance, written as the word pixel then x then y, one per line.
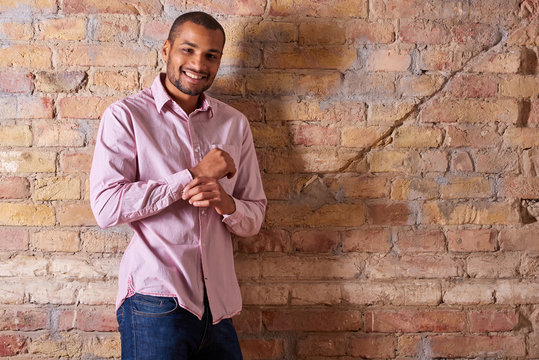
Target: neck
pixel 187 102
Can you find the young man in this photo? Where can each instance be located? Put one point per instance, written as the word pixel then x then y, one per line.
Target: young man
pixel 180 168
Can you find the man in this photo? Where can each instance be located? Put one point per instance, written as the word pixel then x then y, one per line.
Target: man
pixel 180 168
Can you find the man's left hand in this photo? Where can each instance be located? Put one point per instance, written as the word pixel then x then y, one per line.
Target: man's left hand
pixel 206 192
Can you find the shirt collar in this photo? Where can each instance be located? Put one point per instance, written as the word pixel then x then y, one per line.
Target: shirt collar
pixel 162 97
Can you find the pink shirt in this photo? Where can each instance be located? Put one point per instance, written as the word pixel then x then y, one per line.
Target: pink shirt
pixel 145 144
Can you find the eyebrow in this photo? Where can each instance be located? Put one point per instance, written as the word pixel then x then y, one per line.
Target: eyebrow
pixel 196 46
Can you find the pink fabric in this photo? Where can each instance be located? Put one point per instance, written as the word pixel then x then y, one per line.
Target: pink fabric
pixel 144 147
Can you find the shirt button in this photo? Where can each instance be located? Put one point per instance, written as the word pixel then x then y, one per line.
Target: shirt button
pixel 197 150
pixel 203 211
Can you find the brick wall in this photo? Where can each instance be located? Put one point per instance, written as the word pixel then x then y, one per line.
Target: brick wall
pixel 399 144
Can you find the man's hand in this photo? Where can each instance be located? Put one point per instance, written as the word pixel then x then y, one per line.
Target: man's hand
pixel 206 192
pixel 216 164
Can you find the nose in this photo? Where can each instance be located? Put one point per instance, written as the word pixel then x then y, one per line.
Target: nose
pixel 197 62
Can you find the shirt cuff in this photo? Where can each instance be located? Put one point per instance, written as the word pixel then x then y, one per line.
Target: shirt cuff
pixel 236 216
pixel 176 182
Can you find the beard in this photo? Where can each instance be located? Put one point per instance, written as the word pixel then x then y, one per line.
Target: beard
pixel 176 81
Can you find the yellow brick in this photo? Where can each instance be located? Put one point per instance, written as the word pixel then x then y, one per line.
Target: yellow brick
pixel 267 31
pixel 115 80
pixel 277 83
pixel 26 215
pixel 481 213
pixel 83 107
pixel 98 293
pixel 362 137
pixel 333 8
pixel 293 57
pixel 471 111
pixel 461 187
pixel 416 137
pixel 57 188
pixel 106 55
pixel 421 85
pixel 505 62
pixel 228 84
pixel 241 55
pixel 34 57
pixel 520 86
pixel 61 345
pixel 362 187
pixel 58 134
pixel 364 32
pixel 55 240
pixel 16 31
pixel 104 241
pixel 103 346
pixel 118 28
pixel 389 60
pixel 27 161
pixel 388 112
pixel 45 6
pixel 522 137
pixel 394 161
pixel 307 159
pixel 15 135
pixel 414 189
pixel 327 215
pixel 274 136
pixel 75 214
pixel 316 33
pixel 62 29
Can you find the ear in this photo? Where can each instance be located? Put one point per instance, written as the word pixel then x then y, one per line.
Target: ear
pixel 166 50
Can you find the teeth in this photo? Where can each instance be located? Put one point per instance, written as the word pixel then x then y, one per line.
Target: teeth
pixel 193 76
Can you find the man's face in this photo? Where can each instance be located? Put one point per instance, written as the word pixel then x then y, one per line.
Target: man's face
pixel 193 58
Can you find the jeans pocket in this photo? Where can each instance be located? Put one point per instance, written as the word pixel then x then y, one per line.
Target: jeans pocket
pixel 148 305
pixel 120 316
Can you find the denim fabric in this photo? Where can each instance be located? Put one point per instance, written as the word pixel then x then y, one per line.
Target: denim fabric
pixel 156 328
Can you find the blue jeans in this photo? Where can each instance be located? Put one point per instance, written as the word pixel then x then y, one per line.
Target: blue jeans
pixel 155 328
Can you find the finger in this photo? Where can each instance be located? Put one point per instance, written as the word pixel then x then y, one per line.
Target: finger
pixel 193 184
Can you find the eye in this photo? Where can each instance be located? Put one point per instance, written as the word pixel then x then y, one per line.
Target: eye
pixel 187 50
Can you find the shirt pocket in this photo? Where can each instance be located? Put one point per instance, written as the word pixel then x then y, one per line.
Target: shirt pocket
pixel 234 152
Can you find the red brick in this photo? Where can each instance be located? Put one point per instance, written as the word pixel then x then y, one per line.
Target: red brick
pixel 417 241
pixel 361 187
pixel 493 320
pixel 493 265
pixel 14 188
pixel 479 213
pixel 313 320
pixel 279 83
pixel 156 31
pixel 519 239
pixel 293 57
pixel 316 294
pixel 75 214
pixel 413 266
pixel 455 346
pixel 322 345
pixel 229 7
pixel 77 162
pixel 425 33
pixel 372 84
pixel 16 30
pixel 312 267
pixel 13 239
pixel 28 6
pixel 473 86
pixel 130 7
pixel 520 187
pixel 391 214
pixel 16 82
pixel 397 9
pixel 471 135
pixel 533 344
pixel 511 292
pixel 106 55
pixel 364 32
pixel 373 346
pixel 332 8
pixel 261 349
pixel 374 292
pixel 315 241
pixel 327 215
pixel 28 56
pixel 461 161
pixel 265 294
pixel 309 135
pixel 472 240
pixel 496 161
pixel 367 240
pixel 475 36
pixel 117 29
pixel 88 319
pixel 12 344
pixel 69 28
pixel 389 60
pixel 408 321
pixel 273 240
pixel 319 33
pixel 248 322
pixel 533 118
pixel 23 319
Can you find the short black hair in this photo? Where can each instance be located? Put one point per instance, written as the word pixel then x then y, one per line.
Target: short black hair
pixel 196 17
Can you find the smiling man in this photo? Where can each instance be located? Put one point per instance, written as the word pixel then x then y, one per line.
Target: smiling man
pixel 180 168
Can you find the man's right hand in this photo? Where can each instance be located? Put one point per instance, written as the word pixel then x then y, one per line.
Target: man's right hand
pixel 216 164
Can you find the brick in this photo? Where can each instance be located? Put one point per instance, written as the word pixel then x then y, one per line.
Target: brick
pixel 89 107
pixel 362 137
pixel 156 31
pixel 103 346
pixel 27 161
pixel 360 187
pixel 497 265
pixel 394 161
pixel 327 215
pixel 471 135
pixel 15 135
pixel 24 265
pixel 69 28
pixel 12 344
pixel 307 160
pixel 312 320
pixel 372 84
pixel 465 187
pixel 262 348
pixel 441 60
pixel 419 241
pixel 465 111
pixel 51 291
pixel 434 161
pixel 55 240
pixel 269 135
pixel 521 137
pixel 519 187
pixel 292 57
pixel 416 292
pixel 77 162
pixel 493 320
pixel 389 60
pixel 117 29
pixel 417 137
pixel 496 161
pixel 472 240
pixel 106 55
pixel 409 321
pixel 278 186
pixel 469 293
pixel 247 268
pixel 273 240
pixel 519 239
pixel 319 33
pixel 13 239
pixel 103 241
pixel 98 294
pixel 75 214
pixel 420 85
pixel 414 189
pixel 475 36
pixel 461 161
pixel 26 107
pixel 455 346
pixel 322 345
pixel 520 86
pixel 226 84
pixel 65 81
pixel 16 31
pixel 533 118
pixel 273 83
pixel 412 266
pixel 367 240
pixel 229 7
pixel 530 162
pixel 57 188
pixel 363 32
pixel 529 266
pixel 295 267
pixel 270 294
pixel 248 322
pixel 62 345
pixel 346 112
pixel 73 267
pixel 511 292
pixel 533 347
pixel 130 7
pixel 373 346
pixel 59 133
pixel 315 294
pixel 424 33
pixel 26 215
pixel 389 112
pixel 315 241
pixel 115 80
pixel 333 8
pixel 19 82
pixel 33 57
pixel 29 6
pixel 473 86
pixel 479 213
pixel 507 62
pixel 391 214
pixel 395 9
pixel 309 135
pixel 23 319
pixel 525 35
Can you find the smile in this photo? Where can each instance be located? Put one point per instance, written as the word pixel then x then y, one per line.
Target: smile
pixel 193 75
